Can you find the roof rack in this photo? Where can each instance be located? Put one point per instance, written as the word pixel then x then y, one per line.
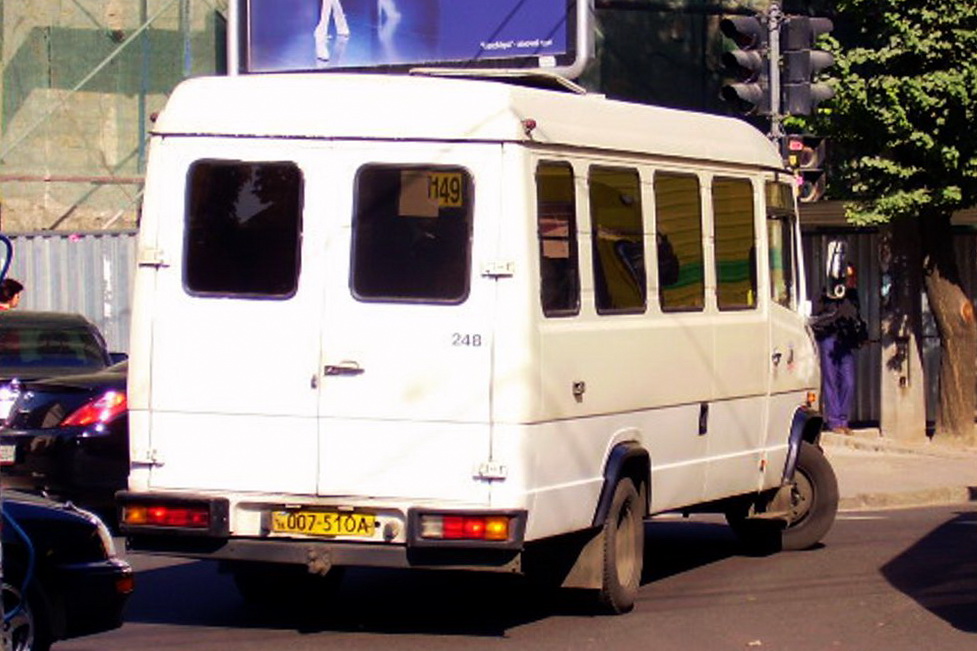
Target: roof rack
pixel 531 78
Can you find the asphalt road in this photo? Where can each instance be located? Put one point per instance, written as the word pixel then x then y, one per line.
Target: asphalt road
pixel 898 579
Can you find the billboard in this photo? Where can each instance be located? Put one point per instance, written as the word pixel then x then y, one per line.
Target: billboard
pixel 297 35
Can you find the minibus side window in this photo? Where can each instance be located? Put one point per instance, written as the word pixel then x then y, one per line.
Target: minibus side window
pixel 556 223
pixel 617 237
pixel 243 228
pixel 678 214
pixel 780 232
pixel 412 229
pixel 735 237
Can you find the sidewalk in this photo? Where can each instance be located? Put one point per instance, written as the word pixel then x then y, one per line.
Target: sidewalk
pixel 875 473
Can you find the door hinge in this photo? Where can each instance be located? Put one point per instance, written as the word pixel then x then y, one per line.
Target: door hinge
pixel 151 457
pixel 499 269
pixel 491 470
pixel 151 257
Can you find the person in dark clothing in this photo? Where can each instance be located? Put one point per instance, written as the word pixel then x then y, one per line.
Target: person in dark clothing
pixel 840 331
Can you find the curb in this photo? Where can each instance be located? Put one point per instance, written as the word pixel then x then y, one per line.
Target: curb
pixel 874 445
pixel 871 440
pixel 925 497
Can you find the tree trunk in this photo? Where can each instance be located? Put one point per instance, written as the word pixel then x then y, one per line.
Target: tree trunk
pixel 954 314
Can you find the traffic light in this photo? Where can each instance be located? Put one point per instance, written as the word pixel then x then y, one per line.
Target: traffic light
pixel 801 63
pixel 805 154
pixel 748 63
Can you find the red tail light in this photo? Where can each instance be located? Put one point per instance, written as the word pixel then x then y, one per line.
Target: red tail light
pixel 104 409
pixel 465 527
pixel 160 515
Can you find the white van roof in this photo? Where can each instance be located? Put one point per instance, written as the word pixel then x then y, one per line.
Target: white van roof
pixel 402 107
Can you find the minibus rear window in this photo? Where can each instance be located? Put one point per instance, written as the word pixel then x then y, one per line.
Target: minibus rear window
pixel 412 234
pixel 243 228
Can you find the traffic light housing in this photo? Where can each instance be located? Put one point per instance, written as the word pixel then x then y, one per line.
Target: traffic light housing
pixel 801 63
pixel 747 63
pixel 805 155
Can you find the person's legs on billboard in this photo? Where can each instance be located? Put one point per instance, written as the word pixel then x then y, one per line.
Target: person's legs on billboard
pixel 387 9
pixel 330 10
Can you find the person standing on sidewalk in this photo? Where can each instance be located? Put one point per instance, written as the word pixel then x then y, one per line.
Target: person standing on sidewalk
pixel 840 331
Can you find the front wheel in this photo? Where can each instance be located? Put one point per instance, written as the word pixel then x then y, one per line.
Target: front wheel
pixel 623 551
pixel 813 499
pixel 811 512
pixel 25 624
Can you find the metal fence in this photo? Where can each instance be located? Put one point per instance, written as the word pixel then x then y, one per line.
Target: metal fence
pixel 92 273
pixel 88 273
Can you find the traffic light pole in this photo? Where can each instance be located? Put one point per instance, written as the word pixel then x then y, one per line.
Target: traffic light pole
pixel 774 19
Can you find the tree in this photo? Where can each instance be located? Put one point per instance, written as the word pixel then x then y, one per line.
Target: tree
pixel 905 147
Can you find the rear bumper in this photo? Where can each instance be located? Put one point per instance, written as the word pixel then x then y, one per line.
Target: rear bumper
pixel 65 464
pixel 217 542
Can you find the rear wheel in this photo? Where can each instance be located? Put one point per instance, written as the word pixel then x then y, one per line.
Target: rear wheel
pixel 623 552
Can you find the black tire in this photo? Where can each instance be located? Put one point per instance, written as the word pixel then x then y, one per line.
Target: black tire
pixel 28 629
pixel 814 503
pixel 623 553
pixel 274 586
pixel 814 499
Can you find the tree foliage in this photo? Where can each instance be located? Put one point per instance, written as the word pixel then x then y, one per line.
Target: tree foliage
pixel 904 115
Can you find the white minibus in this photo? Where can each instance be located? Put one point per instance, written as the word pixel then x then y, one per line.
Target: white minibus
pixel 483 324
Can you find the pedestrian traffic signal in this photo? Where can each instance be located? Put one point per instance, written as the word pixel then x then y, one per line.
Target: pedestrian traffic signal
pixel 801 64
pixel 805 155
pixel 747 63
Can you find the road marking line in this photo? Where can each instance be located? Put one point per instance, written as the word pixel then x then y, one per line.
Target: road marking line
pixel 861 517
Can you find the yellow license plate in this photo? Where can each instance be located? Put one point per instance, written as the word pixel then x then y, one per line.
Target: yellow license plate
pixel 323 523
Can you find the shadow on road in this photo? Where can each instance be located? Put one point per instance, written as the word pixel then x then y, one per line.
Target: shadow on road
pixel 940 572
pixel 399 601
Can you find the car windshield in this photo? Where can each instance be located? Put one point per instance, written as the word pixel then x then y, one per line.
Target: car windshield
pixel 30 345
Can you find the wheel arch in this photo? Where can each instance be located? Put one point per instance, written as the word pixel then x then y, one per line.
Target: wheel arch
pixel 626 459
pixel 806 425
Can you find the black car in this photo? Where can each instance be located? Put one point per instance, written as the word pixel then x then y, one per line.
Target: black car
pixel 68 437
pixel 61 577
pixel 47 344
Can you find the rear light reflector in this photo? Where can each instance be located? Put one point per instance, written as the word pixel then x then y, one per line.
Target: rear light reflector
pixel 125 584
pixel 161 515
pixel 465 527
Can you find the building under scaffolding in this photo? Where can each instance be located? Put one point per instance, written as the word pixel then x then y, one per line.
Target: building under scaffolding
pixel 81 81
